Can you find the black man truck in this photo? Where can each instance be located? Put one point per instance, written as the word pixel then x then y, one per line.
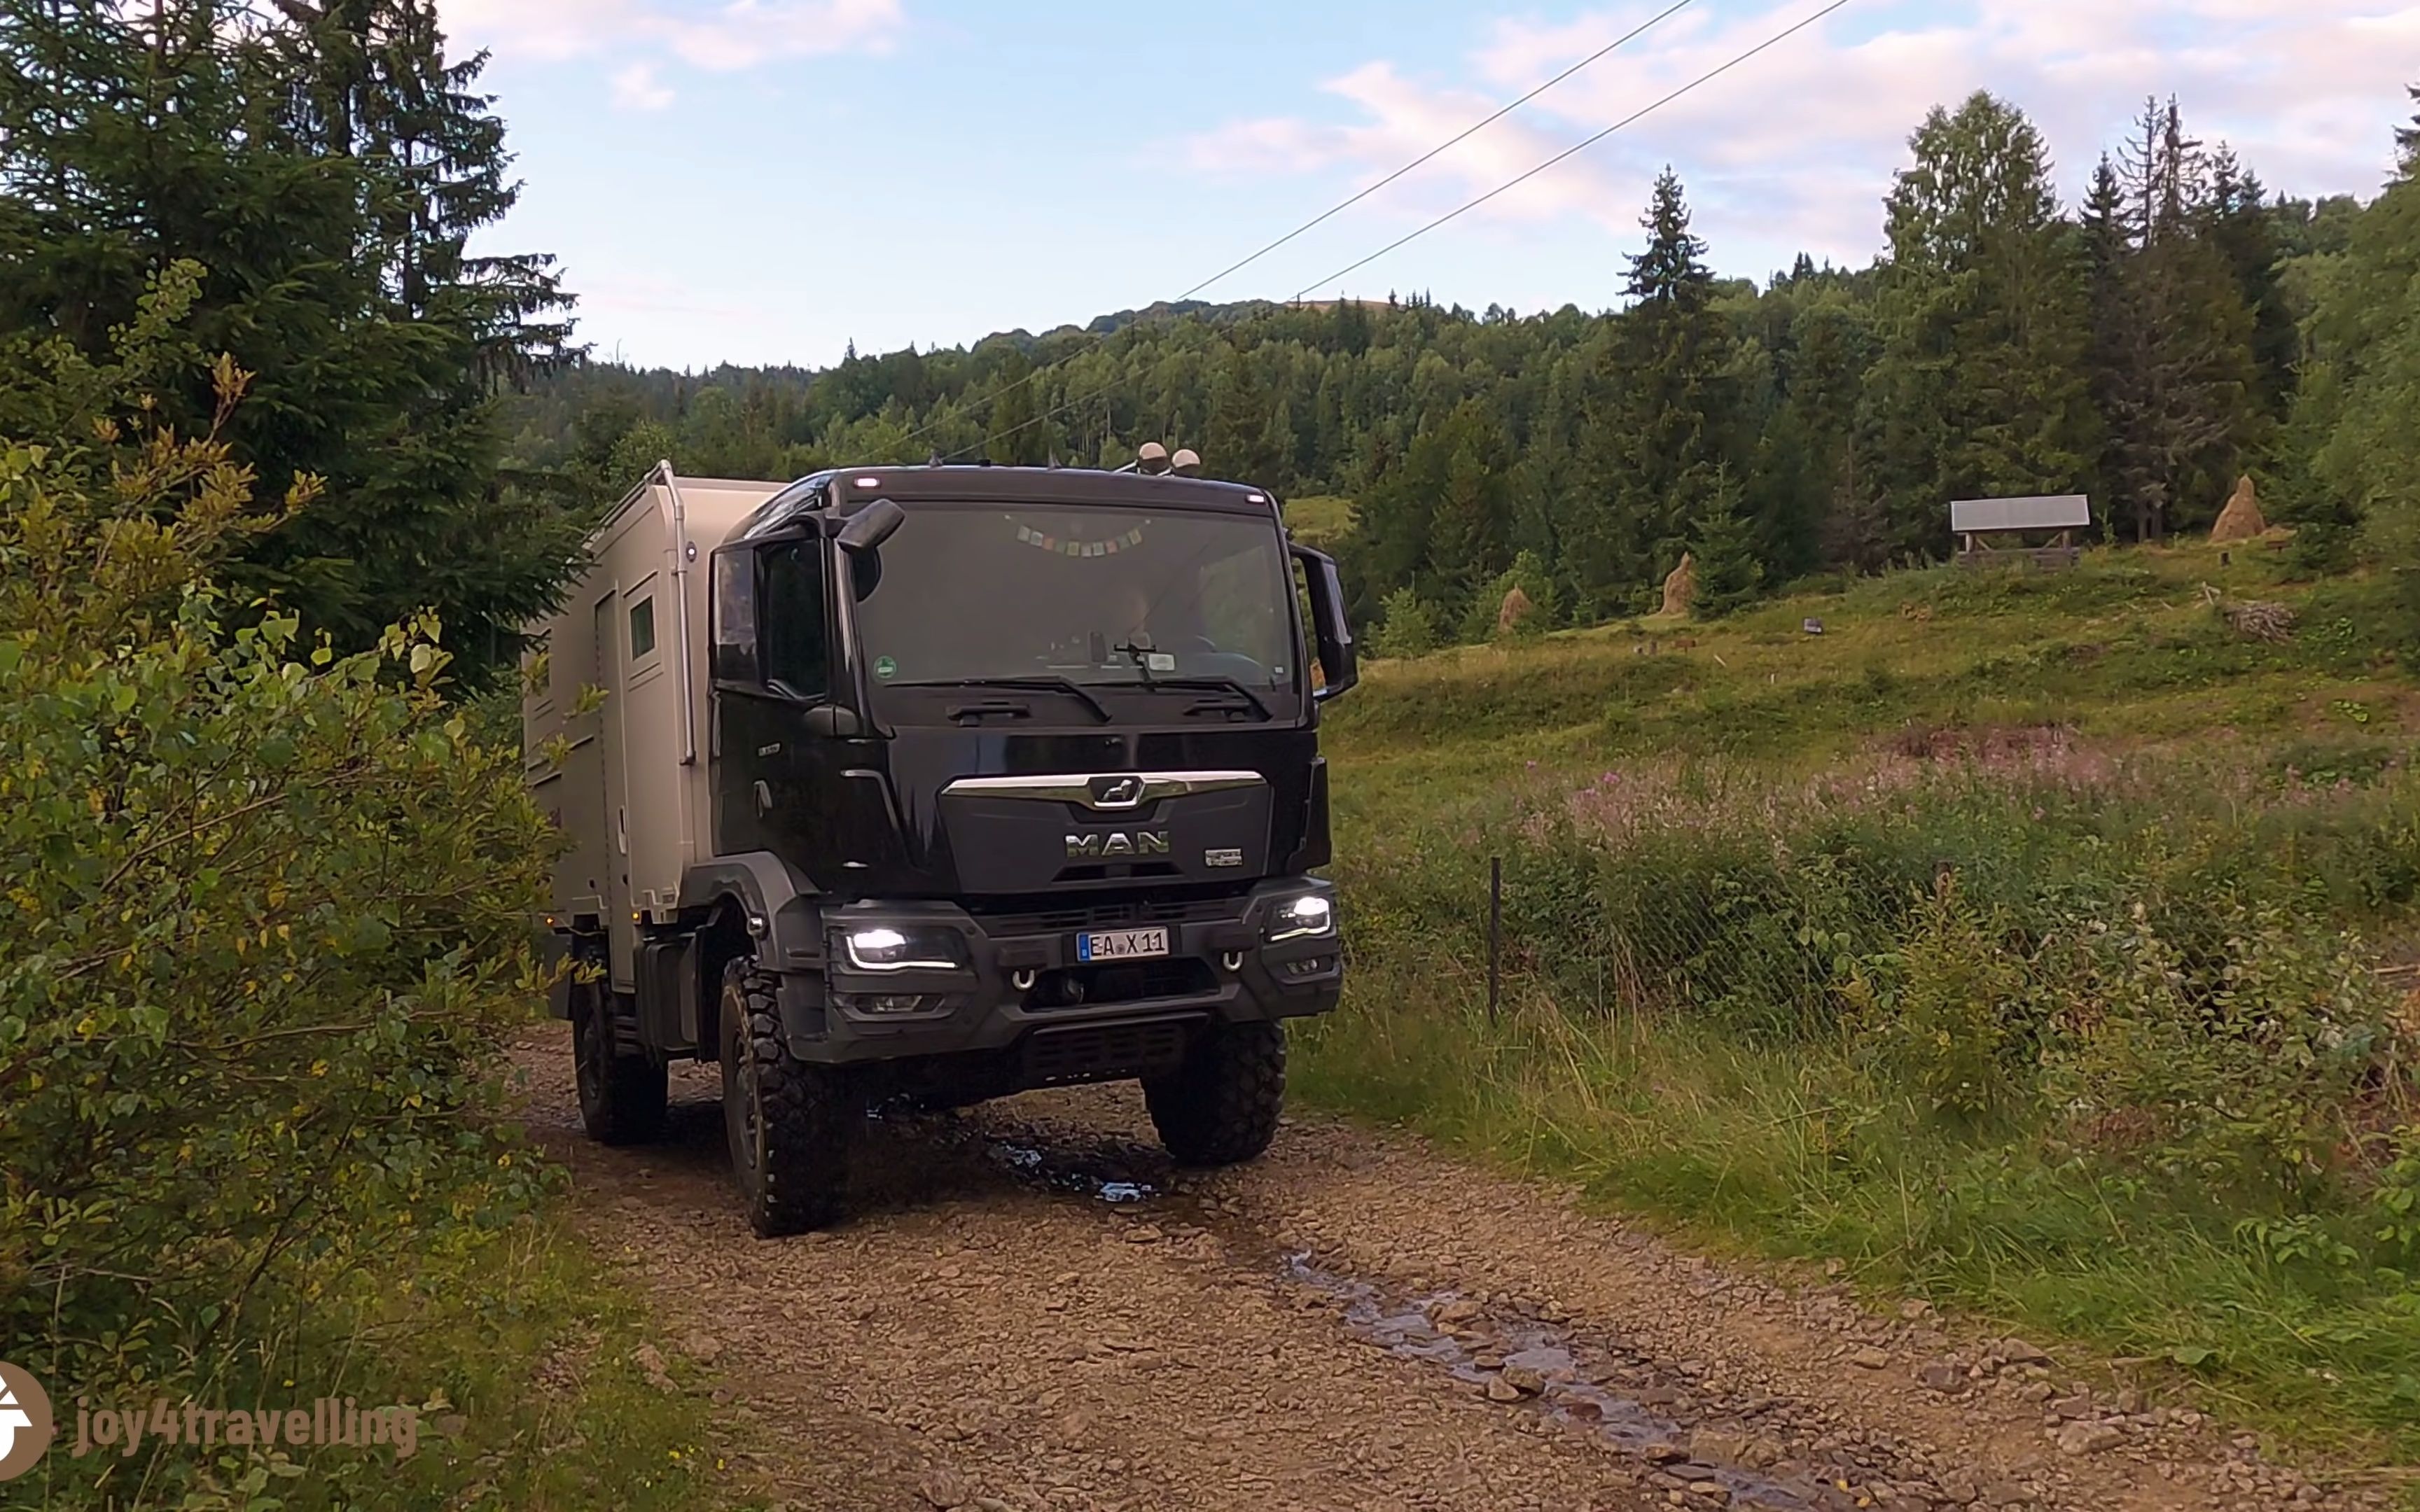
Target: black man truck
pixel 931 784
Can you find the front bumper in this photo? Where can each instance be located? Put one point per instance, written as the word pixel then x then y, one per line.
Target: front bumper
pixel 1010 975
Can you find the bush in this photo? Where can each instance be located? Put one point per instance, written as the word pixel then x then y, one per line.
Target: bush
pixel 1408 626
pixel 1947 1015
pixel 2246 1077
pixel 265 919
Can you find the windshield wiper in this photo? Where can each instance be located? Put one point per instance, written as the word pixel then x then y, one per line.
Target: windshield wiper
pixel 1049 685
pixel 1211 684
pixel 1141 655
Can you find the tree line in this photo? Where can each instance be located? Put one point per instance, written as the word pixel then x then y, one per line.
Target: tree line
pixel 326 162
pixel 2180 326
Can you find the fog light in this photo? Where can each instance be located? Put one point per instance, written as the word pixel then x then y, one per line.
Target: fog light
pixel 888 1003
pixel 1308 917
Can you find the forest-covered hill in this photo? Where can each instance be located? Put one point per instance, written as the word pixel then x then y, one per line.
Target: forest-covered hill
pixel 2178 328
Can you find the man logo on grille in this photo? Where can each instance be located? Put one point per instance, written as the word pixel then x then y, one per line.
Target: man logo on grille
pixel 24 1421
pixel 1116 791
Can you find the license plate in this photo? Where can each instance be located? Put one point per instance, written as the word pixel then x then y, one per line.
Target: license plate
pixel 1122 945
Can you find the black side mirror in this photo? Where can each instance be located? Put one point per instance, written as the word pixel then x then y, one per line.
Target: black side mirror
pixel 1333 637
pixel 866 530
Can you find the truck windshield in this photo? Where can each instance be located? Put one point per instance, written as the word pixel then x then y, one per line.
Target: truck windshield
pixel 1098 595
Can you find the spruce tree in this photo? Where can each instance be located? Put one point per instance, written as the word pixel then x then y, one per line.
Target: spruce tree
pixel 1660 424
pixel 326 166
pixel 1980 388
pixel 1728 568
pixel 2178 382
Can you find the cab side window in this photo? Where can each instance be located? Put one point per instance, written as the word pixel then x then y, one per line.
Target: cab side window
pixel 790 620
pixel 735 615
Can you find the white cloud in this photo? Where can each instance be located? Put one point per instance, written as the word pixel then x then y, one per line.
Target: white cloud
pixel 1796 148
pixel 637 88
pixel 726 37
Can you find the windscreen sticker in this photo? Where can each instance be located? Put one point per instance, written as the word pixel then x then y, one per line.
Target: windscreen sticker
pixel 884 668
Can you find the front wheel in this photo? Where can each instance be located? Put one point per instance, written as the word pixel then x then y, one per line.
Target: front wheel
pixel 1220 1104
pixel 788 1123
pixel 621 1097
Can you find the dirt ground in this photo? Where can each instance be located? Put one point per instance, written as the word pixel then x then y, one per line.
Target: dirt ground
pixel 1031 1309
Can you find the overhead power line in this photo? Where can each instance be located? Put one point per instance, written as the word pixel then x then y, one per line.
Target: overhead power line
pixel 1441 147
pixel 1577 148
pixel 1701 80
pixel 1343 205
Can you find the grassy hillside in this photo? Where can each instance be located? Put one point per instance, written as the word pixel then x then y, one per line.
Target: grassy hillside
pixel 2028 941
pixel 1319 520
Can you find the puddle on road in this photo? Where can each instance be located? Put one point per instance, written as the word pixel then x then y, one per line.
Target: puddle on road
pixel 1573 1385
pixel 1101 1175
pixel 1569 1388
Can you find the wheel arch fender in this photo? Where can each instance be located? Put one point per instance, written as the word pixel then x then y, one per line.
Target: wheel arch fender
pixel 756 902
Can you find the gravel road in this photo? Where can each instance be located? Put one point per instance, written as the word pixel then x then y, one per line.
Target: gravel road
pixel 1032 1310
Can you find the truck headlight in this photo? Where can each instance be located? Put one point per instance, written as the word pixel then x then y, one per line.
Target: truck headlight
pixel 881 948
pixel 1313 915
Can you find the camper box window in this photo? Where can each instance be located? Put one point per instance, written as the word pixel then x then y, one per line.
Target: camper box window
pixel 643 628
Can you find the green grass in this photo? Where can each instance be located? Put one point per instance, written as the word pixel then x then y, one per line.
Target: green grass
pixel 1319 520
pixel 2123 647
pixel 516 1339
pixel 1786 1153
pixel 2262 776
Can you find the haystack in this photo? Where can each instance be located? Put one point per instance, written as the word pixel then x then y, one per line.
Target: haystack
pixel 1680 589
pixel 1516 609
pixel 2242 519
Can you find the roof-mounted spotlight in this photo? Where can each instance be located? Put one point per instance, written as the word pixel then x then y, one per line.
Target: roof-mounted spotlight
pixel 1185 463
pixel 1151 459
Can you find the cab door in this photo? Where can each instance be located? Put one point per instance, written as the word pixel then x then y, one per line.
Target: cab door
pixel 773 672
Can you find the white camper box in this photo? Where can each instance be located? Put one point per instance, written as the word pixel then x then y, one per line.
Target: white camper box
pixel 634 625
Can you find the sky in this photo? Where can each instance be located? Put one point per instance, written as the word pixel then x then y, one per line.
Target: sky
pixel 768 181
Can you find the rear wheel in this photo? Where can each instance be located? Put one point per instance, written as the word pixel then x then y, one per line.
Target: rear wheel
pixel 1220 1105
pixel 788 1123
pixel 621 1096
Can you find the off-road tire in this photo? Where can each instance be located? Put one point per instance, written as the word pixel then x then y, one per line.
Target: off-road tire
pixel 621 1096
pixel 789 1124
pixel 1221 1106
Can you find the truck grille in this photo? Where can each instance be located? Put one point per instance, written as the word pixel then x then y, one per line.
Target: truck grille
pixel 1121 981
pixel 1104 1052
pixel 1117 912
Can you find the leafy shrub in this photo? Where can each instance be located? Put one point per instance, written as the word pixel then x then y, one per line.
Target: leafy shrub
pixel 1408 626
pixel 1950 1013
pixel 2246 1077
pixel 2396 1199
pixel 264 911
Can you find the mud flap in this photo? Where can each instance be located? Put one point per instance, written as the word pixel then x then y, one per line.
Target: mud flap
pixel 801 997
pixel 668 1008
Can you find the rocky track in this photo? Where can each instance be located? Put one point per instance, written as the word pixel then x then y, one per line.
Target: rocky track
pixel 1031 1310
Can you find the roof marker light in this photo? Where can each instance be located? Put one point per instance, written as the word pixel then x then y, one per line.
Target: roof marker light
pixel 868 483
